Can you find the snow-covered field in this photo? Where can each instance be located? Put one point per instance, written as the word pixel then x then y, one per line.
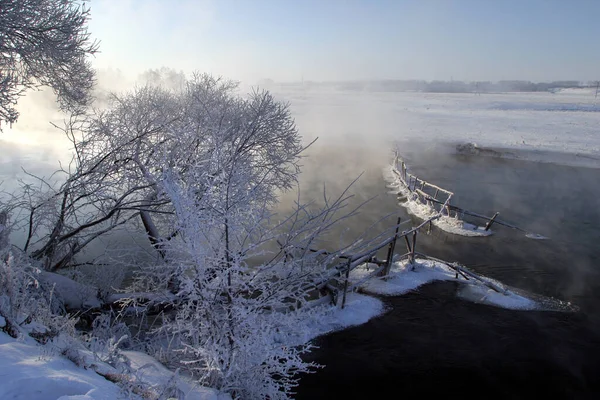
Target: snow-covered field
pixel 562 127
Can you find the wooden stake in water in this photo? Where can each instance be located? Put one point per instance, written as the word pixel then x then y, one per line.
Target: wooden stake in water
pixel 390 254
pixel 491 221
pixel 346 283
pixel 414 245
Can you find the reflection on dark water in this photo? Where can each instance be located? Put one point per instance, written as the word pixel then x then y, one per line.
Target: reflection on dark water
pixel 431 341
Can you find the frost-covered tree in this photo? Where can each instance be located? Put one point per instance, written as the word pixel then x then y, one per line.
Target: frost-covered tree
pixel 44 43
pixel 239 323
pixel 122 153
pixel 200 170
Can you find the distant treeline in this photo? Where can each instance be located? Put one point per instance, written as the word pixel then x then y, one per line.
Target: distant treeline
pixel 447 86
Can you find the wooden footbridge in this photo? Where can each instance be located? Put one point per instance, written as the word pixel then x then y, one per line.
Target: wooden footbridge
pixel 438 199
pixel 336 283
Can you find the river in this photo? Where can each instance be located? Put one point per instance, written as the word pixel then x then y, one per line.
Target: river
pixel 431 342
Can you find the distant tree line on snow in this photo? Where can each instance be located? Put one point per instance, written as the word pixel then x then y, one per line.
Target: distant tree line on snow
pixel 394 85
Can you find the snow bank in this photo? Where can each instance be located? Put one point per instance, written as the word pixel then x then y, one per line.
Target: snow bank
pixel 404 279
pixel 150 371
pixel 33 372
pixel 324 319
pixel 29 370
pixel 485 295
pixel 445 223
pixel 358 310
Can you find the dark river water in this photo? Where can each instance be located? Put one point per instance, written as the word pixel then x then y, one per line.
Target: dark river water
pixel 432 342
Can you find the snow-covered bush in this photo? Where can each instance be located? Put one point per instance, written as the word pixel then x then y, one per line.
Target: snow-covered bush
pixel 26 303
pixel 106 340
pixel 234 329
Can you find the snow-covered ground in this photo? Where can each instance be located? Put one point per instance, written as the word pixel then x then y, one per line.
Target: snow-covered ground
pixel 34 372
pixel 358 309
pixel 31 371
pixel 542 126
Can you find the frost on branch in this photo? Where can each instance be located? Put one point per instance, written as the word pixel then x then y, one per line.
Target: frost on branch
pixel 238 326
pixel 27 304
pixel 122 153
pixel 44 43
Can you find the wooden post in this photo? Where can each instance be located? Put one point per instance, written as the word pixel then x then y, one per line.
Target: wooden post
pixel 407 244
pixel 346 283
pixel 403 171
pixel 391 248
pixel 491 221
pixel 414 245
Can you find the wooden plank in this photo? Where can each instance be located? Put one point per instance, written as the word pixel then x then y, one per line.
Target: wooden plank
pixel 422 194
pixel 333 292
pixel 372 250
pixel 407 244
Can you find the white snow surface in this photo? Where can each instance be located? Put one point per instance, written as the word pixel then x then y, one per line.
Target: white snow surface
pixel 29 370
pixel 543 126
pixel 358 310
pixel 74 295
pixel 403 279
pixel 423 211
pixel 149 370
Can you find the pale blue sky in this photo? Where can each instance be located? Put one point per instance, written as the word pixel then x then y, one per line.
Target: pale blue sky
pixel 285 40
